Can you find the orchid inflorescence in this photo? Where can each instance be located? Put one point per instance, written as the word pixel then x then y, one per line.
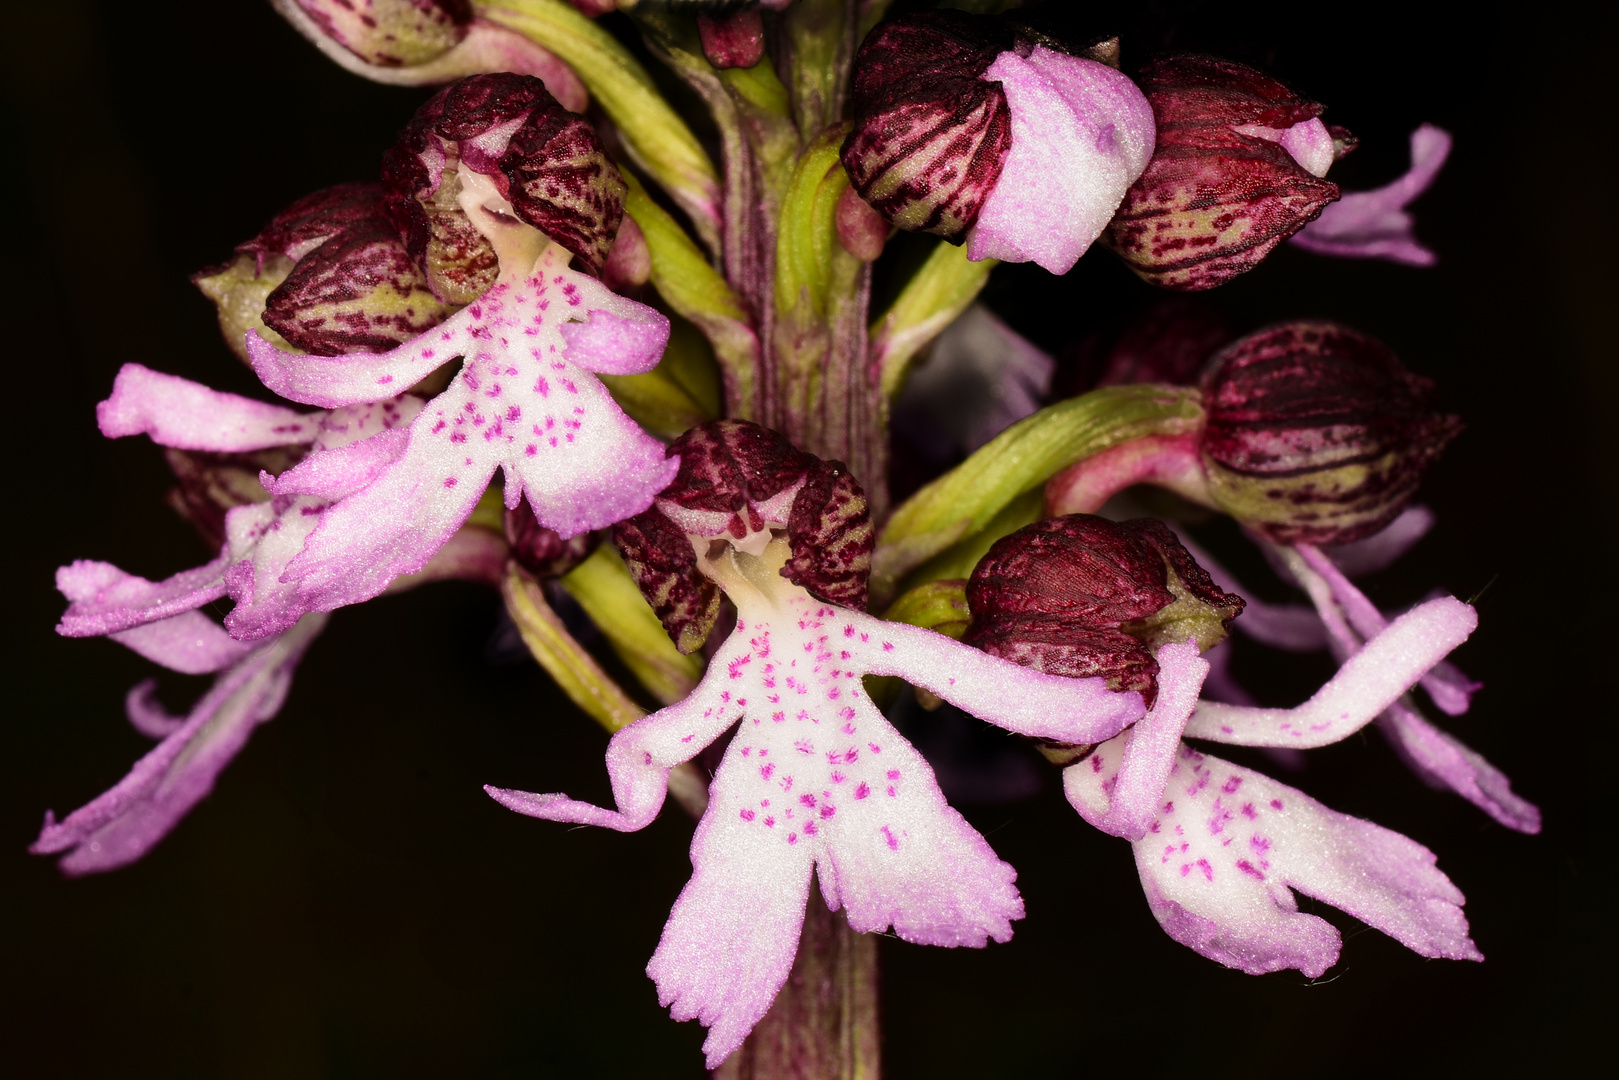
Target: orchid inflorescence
pixel 553 349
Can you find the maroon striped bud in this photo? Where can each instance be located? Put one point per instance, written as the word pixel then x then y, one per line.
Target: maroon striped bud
pixel 329 274
pixel 545 160
pixel 1085 597
pixel 743 486
pixel 542 551
pixel 1237 169
pixel 930 136
pixel 1316 433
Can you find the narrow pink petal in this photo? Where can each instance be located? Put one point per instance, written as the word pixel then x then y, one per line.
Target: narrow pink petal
pixel 190 643
pixel 1229 844
pixel 731 938
pixel 352 378
pixel 1443 761
pixel 903 858
pixel 1451 690
pixel 1366 684
pixel 1129 802
pixel 180 413
pixel 106 599
pixel 999 691
pixel 639 759
pixel 1380 550
pixel 126 821
pixel 1081 133
pixel 1374 224
pixel 618 336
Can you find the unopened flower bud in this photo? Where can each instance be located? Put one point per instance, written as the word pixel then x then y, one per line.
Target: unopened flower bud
pixel 1316 433
pixel 423 42
pixel 542 551
pixel 328 274
pixel 969 130
pixel 742 486
pixel 1238 169
pixel 544 160
pixel 1082 596
pixel 734 39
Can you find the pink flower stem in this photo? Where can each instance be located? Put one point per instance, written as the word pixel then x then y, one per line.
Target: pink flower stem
pixel 1168 461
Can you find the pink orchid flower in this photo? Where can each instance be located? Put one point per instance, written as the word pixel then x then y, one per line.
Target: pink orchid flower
pixel 1219 848
pixel 815 778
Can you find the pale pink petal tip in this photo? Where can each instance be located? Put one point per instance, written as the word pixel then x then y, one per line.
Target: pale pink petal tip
pixel 180 413
pixel 1129 800
pixel 1374 224
pixel 1081 135
pixel 1444 762
pixel 127 820
pixel 1230 845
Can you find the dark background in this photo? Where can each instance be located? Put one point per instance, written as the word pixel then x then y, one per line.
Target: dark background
pixel 348 902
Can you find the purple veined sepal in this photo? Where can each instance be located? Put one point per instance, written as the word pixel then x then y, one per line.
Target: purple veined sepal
pixel 817 777
pixel 125 822
pixel 1375 224
pixel 1227 847
pixel 425 42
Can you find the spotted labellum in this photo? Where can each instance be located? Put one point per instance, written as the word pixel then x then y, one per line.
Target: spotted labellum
pixel 1238 167
pixel 815 780
pixel 1219 847
pixel 967 129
